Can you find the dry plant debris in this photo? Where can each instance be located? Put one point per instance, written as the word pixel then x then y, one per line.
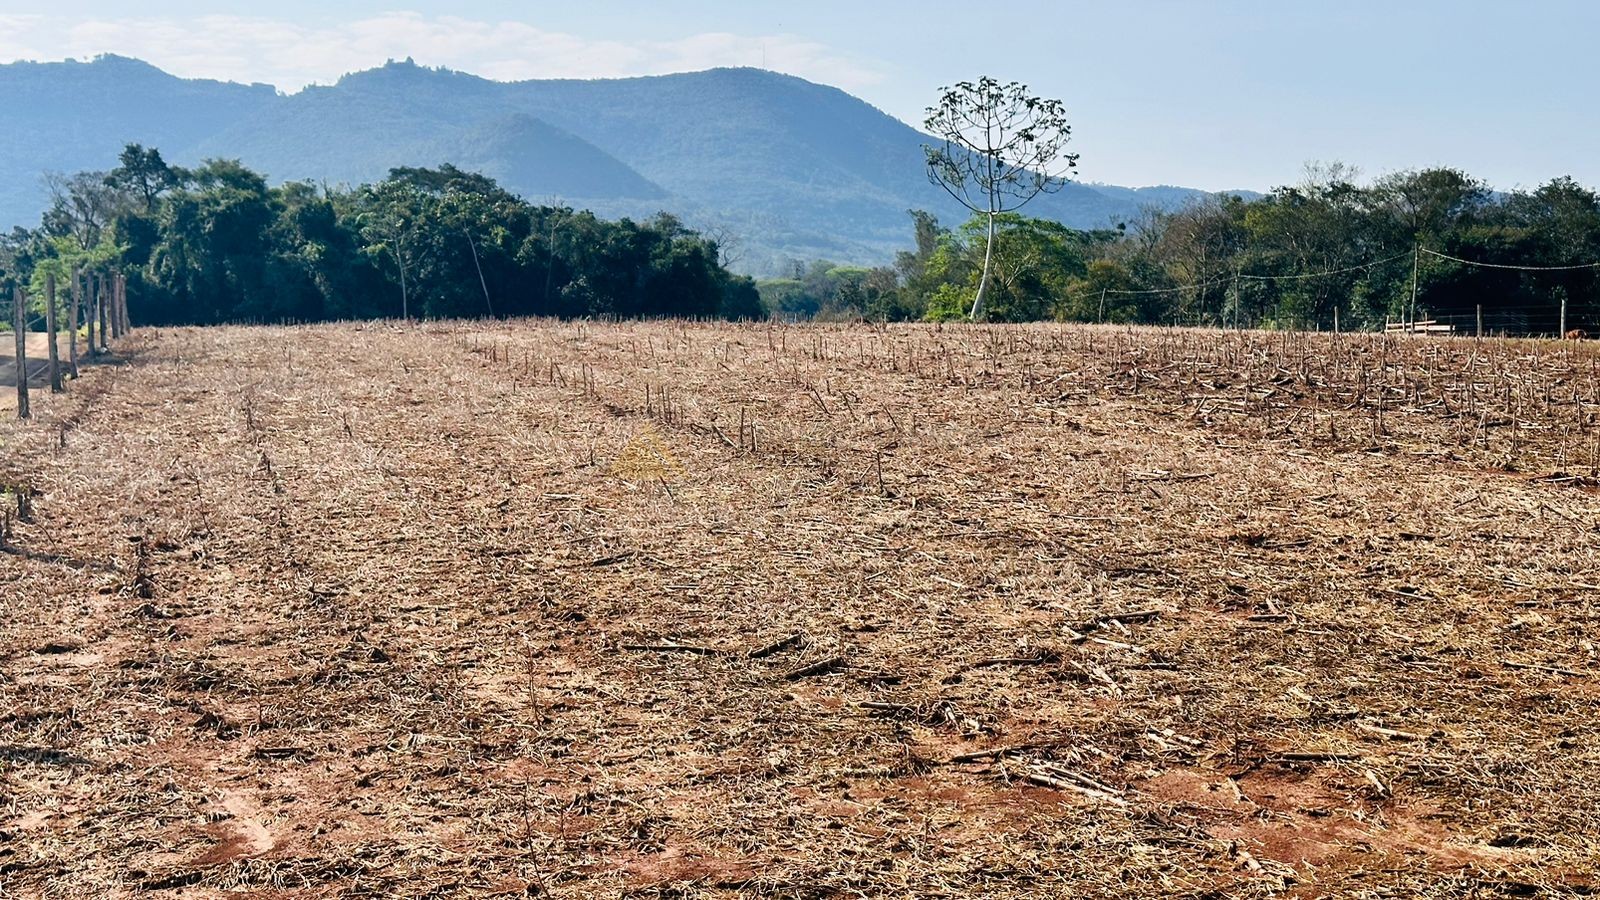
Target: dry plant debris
pixel 691 610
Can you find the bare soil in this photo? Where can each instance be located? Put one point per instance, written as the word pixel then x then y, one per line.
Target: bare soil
pixel 676 610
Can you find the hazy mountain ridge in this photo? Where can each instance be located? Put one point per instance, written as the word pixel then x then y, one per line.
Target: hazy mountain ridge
pixel 793 168
pixel 68 116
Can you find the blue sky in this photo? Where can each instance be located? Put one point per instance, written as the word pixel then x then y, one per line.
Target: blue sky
pixel 1230 93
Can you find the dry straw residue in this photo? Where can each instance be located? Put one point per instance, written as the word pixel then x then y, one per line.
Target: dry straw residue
pixel 669 609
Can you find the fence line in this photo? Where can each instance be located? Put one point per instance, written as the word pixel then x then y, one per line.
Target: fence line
pixel 1490 265
pixel 1559 313
pixel 103 300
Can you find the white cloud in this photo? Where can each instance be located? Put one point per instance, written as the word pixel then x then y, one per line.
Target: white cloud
pixel 15 34
pixel 258 49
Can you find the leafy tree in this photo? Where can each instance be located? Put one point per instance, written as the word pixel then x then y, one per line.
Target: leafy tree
pixel 315 238
pixel 390 212
pixel 914 269
pixel 741 301
pixel 1032 267
pixel 1107 292
pixel 1002 148
pixel 1425 205
pixel 62 258
pixel 81 205
pixel 144 174
pixel 832 292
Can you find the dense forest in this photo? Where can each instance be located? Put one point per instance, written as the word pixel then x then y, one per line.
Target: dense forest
pixel 1423 244
pixel 218 244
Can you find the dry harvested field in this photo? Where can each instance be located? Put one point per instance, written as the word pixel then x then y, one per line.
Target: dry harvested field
pixel 679 610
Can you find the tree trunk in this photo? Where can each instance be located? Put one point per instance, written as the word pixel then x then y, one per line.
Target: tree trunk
pixel 50 331
pixel 983 280
pixel 486 301
pixel 72 322
pixel 19 321
pixel 405 301
pixel 550 267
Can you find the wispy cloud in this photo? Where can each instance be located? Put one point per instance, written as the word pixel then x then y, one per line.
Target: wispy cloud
pixel 291 56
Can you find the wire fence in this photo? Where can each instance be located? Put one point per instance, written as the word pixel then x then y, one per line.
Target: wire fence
pixel 1518 319
pixel 93 303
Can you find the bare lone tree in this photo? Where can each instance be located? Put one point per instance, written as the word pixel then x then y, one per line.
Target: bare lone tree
pixel 1002 148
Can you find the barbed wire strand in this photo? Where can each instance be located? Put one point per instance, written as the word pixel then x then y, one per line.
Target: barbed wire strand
pixel 1489 265
pixel 1243 277
pixel 1348 269
pixel 1342 271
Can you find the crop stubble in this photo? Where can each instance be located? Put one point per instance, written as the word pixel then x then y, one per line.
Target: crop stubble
pixel 669 609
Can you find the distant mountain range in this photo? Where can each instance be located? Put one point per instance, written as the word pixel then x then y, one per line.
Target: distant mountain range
pixel 794 170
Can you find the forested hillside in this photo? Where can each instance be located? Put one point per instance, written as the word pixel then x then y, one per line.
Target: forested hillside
pixel 791 169
pixel 218 243
pixel 67 116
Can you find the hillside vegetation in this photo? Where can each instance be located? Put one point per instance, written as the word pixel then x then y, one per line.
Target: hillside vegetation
pixel 796 169
pixel 218 244
pixel 1434 244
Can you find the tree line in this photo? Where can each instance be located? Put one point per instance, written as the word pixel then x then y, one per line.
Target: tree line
pixel 217 244
pixel 1431 243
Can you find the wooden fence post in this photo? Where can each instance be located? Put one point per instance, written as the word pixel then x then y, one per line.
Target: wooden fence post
pixel 122 303
pixel 72 321
pixel 103 313
pixel 119 328
pixel 19 321
pixel 111 309
pixel 91 284
pixel 50 330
